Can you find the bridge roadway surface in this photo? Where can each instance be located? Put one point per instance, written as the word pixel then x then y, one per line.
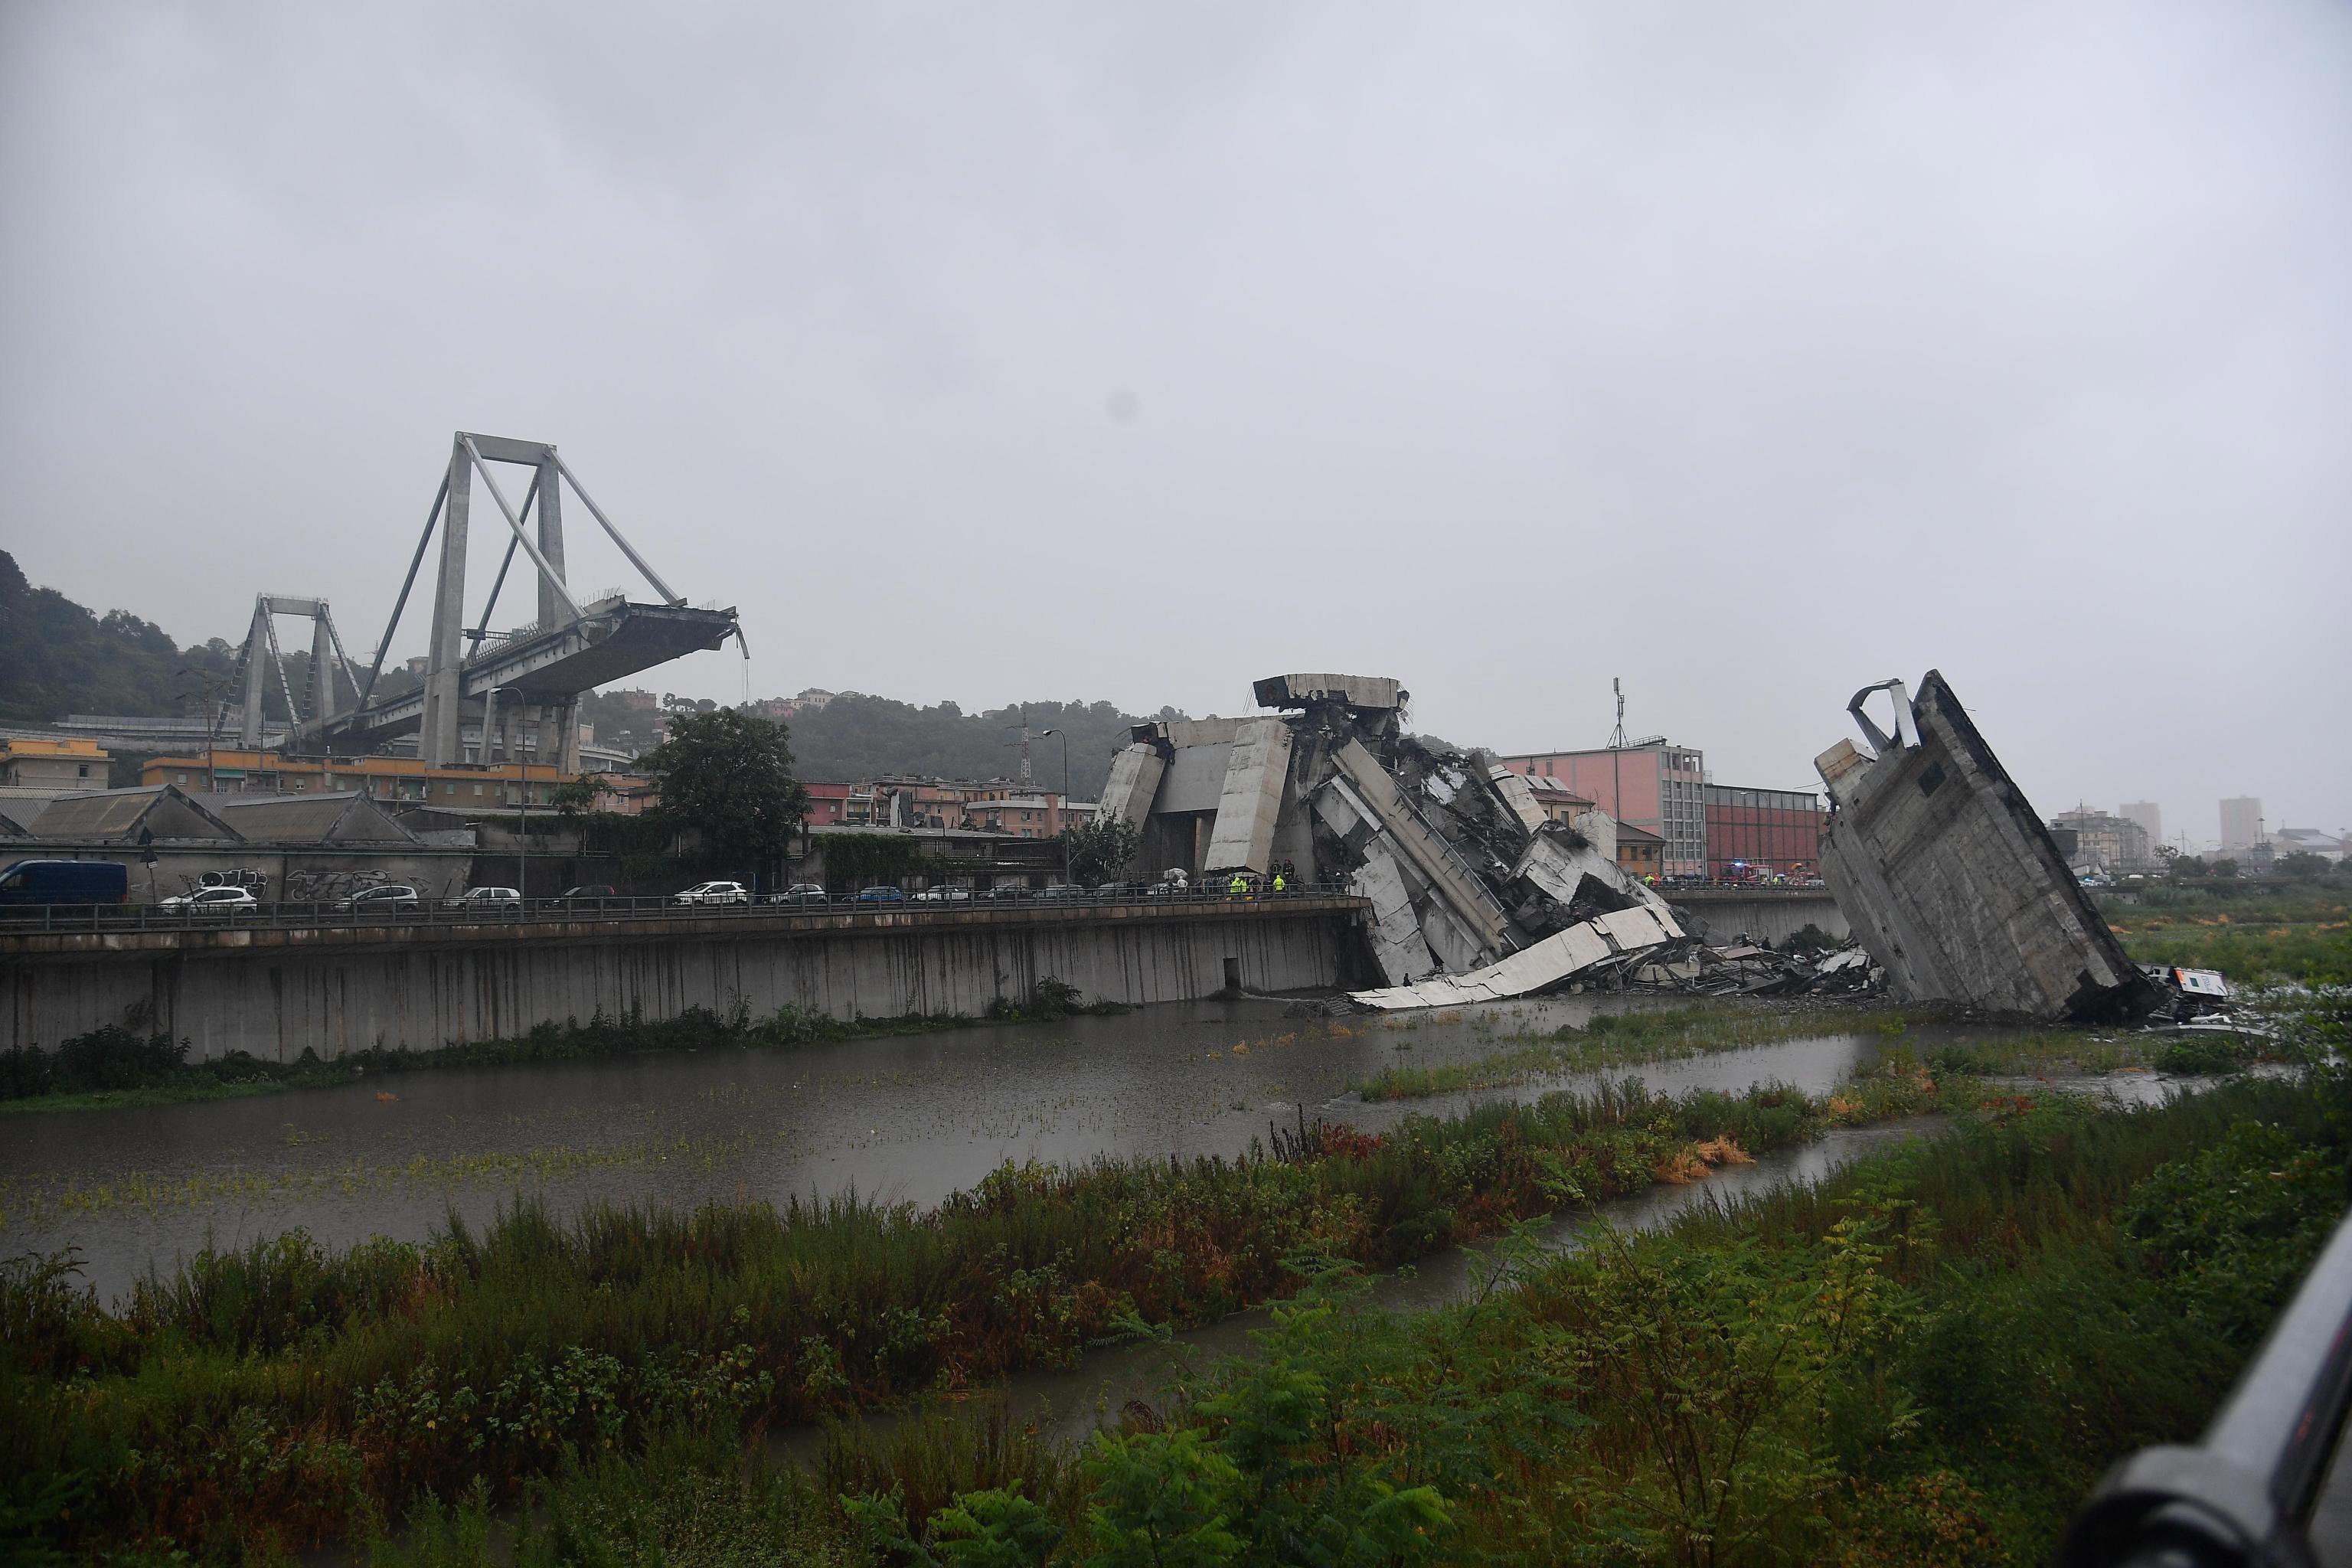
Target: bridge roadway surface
pixel 292 980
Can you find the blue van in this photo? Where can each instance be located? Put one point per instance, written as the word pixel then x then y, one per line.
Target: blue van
pixel 64 883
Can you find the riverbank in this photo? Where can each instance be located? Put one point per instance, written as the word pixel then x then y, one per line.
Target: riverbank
pixel 1621 1039
pixel 117 1067
pixel 272 1397
pixel 1945 1042
pixel 1926 1359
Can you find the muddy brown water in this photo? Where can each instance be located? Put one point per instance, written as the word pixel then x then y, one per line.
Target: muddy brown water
pixel 911 1118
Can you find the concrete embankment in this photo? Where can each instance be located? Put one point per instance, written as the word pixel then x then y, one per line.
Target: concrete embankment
pixel 1765 914
pixel 276 992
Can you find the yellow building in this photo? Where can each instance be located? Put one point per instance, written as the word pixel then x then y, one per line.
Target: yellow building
pixel 39 763
pixel 402 780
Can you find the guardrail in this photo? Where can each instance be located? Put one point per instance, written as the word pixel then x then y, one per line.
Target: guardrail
pixel 376 914
pixel 2244 1496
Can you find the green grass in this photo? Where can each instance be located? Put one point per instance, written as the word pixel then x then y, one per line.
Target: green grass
pixel 2093 1052
pixel 1619 1039
pixel 270 1396
pixel 2256 938
pixel 1926 1360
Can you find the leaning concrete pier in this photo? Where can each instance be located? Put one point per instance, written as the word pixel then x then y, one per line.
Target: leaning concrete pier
pixel 276 990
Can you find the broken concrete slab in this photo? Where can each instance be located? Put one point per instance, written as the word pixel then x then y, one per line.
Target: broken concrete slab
pixel 1256 769
pixel 1133 784
pixel 1557 958
pixel 1951 882
pixel 1561 869
pixel 1354 690
pixel 1451 880
pixel 1519 798
pixel 1397 944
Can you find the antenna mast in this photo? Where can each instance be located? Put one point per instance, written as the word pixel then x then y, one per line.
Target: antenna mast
pixel 1027 775
pixel 1617 736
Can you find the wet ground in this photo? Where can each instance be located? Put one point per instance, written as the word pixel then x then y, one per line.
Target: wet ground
pixel 909 1118
pixel 1068 1404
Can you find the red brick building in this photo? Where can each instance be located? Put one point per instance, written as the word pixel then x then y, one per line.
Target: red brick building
pixel 1762 834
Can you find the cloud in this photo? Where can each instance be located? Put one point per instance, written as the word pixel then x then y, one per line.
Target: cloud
pixel 1750 354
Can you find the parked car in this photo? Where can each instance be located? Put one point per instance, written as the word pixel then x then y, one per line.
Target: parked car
pixel 487 900
pixel 222 901
pixel 591 895
pixel 64 883
pixel 716 893
pixel 1009 892
pixel 881 893
pixel 801 893
pixel 946 893
pixel 378 900
pixel 1061 890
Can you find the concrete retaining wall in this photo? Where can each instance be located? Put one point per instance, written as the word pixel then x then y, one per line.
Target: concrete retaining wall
pixel 1771 915
pixel 276 993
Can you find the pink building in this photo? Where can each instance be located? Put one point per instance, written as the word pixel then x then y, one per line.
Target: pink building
pixel 1032 815
pixel 828 803
pixel 1654 785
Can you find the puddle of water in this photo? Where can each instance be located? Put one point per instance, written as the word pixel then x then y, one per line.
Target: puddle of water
pixel 911 1118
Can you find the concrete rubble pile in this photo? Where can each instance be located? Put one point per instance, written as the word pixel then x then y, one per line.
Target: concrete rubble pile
pixel 1475 892
pixel 1747 969
pixel 1949 880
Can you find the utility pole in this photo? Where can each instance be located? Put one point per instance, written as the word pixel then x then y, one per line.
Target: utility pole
pixel 1066 797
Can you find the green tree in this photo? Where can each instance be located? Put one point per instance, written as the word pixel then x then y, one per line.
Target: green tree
pixel 576 795
pixel 2300 864
pixel 729 776
pixel 1100 851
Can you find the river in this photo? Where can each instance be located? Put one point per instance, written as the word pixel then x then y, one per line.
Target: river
pixel 911 1118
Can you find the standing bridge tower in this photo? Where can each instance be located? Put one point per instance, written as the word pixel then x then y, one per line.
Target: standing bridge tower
pixel 569 647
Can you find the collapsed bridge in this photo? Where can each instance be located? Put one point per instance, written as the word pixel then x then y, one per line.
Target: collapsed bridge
pixel 569 647
pixel 1475 892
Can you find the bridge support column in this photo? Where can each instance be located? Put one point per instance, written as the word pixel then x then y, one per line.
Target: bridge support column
pixel 322 667
pixel 559 718
pixel 439 743
pixel 256 676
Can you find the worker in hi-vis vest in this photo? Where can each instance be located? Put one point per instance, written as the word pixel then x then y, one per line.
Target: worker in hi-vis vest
pixel 1239 886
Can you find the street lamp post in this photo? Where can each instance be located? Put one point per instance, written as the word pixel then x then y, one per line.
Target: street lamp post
pixel 1065 799
pixel 522 795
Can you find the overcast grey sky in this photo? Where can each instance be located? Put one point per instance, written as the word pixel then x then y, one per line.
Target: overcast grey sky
pixel 1751 353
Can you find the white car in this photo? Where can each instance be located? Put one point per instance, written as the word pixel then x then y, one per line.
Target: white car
pixel 946 894
pixel 370 900
pixel 488 900
pixel 716 893
pixel 213 901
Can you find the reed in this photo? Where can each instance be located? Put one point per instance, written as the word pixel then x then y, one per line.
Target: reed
pixel 266 1397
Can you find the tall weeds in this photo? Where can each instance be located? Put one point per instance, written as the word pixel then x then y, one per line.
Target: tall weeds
pixel 269 1395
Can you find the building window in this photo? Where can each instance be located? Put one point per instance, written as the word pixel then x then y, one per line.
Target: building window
pixel 184 778
pixel 478 789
